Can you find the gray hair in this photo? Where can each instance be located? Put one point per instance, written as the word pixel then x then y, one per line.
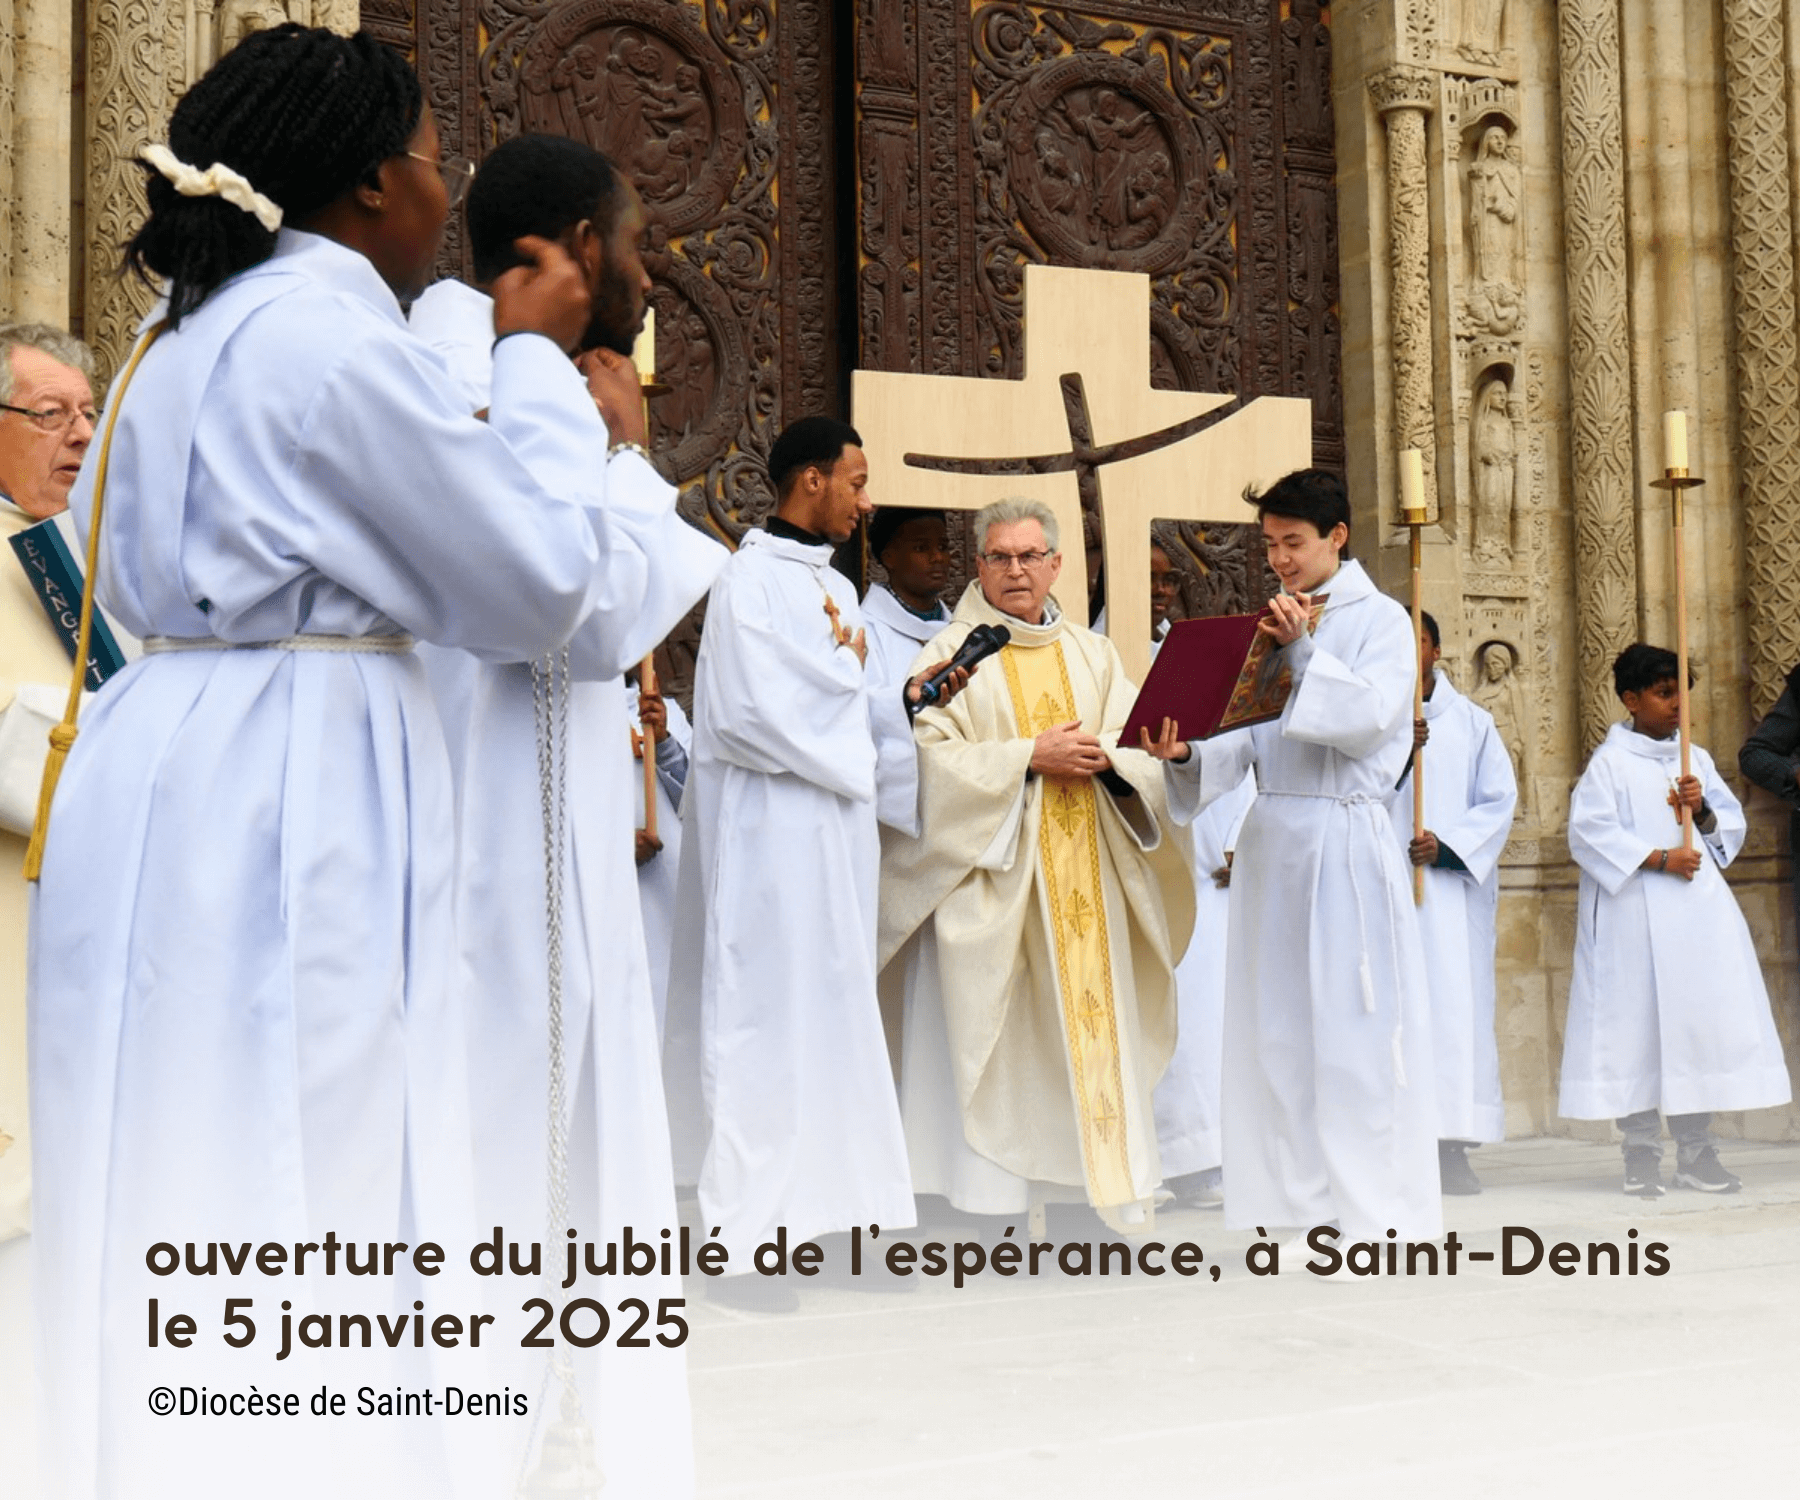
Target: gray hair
pixel 1011 510
pixel 62 347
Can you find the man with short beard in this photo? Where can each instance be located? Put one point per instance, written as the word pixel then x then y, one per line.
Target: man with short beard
pixel 618 1166
pixel 46 420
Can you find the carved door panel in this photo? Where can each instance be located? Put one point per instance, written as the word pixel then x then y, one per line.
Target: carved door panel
pixel 1190 141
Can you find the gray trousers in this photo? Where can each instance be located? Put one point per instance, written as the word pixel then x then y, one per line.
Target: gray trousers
pixel 1643 1132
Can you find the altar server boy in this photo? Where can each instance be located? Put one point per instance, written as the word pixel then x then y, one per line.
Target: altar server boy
pixel 1470 795
pixel 1667 1010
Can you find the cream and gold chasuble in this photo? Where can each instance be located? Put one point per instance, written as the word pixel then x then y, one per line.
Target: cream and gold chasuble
pixel 1057 911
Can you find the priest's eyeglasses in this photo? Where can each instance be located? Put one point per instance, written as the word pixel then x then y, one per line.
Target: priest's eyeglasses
pixel 1002 562
pixel 54 418
pixel 457 171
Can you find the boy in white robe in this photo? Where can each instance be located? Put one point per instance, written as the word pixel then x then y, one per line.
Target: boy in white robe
pixel 772 1002
pixel 618 1171
pixel 1470 795
pixel 1667 1008
pixel 900 616
pixel 1187 1095
pixel 1329 1110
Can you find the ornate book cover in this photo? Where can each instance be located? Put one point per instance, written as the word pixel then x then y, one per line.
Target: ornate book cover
pixel 1215 674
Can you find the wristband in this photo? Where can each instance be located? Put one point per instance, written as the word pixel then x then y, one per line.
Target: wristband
pixel 637 448
pixel 1665 859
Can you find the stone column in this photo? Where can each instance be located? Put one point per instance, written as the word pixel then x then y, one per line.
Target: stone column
pixel 36 202
pixel 129 64
pixel 1405 96
pixel 1768 362
pixel 1600 395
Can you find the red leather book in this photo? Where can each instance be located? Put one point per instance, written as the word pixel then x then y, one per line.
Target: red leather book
pixel 1213 675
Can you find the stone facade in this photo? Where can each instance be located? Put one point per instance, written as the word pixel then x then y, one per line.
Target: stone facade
pixel 1556 220
pixel 71 194
pixel 1609 230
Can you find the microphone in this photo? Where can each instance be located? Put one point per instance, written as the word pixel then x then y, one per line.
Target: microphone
pixel 982 642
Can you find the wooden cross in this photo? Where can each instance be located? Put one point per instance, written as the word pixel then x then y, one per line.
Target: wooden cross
pixel 1084 421
pixel 839 631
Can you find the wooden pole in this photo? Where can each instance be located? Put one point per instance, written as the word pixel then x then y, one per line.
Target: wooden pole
pixel 643 355
pixel 1681 669
pixel 1412 513
pixel 647 684
pixel 1418 609
pixel 1676 478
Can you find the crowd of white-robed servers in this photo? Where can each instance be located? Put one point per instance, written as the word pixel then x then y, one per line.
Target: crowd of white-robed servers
pixel 373 790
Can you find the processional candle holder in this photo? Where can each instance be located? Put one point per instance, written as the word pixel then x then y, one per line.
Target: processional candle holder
pixel 1412 517
pixel 1677 479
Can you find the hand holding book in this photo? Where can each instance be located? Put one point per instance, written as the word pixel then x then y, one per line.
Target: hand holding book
pixel 1226 672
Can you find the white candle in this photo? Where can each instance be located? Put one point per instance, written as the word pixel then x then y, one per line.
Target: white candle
pixel 1412 482
pixel 1675 450
pixel 643 348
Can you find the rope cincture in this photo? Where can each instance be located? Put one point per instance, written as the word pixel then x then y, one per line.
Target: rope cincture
pixel 567 1466
pixel 62 735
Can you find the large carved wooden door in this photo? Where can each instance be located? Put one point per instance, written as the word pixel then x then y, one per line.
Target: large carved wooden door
pixel 722 118
pixel 862 183
pixel 1192 142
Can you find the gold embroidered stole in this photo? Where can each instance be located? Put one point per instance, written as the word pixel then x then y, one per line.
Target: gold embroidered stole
pixel 1069 866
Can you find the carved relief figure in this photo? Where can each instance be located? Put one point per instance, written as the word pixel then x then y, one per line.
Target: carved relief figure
pixel 238 18
pixel 687 364
pixel 1493 456
pixel 1150 194
pixel 1494 189
pixel 1499 691
pixel 1061 186
pixel 1118 137
pixel 641 103
pixel 1481 28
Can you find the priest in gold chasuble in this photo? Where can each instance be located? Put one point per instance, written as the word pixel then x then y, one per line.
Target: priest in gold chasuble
pixel 1033 926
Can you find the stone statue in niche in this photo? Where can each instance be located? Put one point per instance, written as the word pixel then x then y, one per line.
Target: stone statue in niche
pixel 1481 29
pixel 1493 456
pixel 1497 689
pixel 1494 195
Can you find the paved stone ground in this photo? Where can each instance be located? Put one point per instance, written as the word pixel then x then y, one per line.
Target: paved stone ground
pixel 1475 1385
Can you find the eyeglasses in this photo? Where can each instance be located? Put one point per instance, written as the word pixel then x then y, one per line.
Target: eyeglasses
pixel 1002 562
pixel 54 418
pixel 457 171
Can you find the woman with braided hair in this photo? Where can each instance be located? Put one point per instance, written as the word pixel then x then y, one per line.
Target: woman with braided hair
pixel 242 1030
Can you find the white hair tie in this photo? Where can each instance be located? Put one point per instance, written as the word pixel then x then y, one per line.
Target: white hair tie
pixel 217 181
